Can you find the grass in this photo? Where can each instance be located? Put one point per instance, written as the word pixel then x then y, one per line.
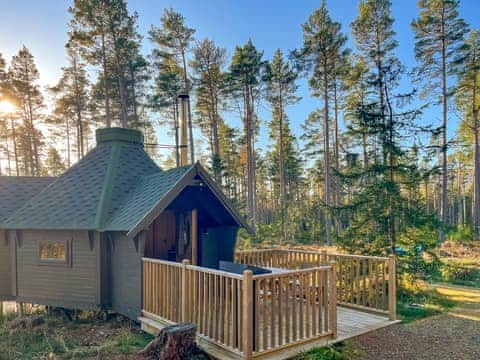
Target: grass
pixel 416 300
pixel 340 351
pixel 84 338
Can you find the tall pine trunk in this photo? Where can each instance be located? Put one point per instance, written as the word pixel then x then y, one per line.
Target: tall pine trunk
pixel 283 190
pixel 136 118
pixel 15 149
pixel 443 201
pixel 108 120
pixel 121 79
pixel 476 159
pixel 326 148
pixel 78 110
pixel 251 201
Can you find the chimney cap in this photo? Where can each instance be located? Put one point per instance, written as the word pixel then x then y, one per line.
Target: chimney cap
pixel 119 134
pixel 183 94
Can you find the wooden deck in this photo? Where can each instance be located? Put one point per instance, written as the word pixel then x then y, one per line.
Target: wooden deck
pixel 351 323
pixel 275 315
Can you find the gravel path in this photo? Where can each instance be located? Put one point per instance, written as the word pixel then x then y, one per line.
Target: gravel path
pixel 451 336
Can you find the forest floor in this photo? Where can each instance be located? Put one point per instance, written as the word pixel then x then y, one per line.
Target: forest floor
pixel 451 335
pixel 85 338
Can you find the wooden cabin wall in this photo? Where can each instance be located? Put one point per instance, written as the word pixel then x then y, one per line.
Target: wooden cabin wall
pixel 217 243
pixel 75 286
pixel 126 274
pixel 5 267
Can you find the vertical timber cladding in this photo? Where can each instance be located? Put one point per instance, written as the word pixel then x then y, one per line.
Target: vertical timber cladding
pixel 5 266
pixel 72 285
pixel 161 236
pixel 126 274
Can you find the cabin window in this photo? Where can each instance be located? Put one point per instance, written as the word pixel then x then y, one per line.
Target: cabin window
pixel 54 252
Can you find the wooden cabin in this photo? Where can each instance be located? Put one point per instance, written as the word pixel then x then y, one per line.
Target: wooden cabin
pixel 77 241
pixel 117 232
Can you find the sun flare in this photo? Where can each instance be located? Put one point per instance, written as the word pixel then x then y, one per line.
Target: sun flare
pixel 6 107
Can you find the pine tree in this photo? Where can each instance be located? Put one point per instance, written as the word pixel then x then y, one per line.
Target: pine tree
pixel 23 76
pixel 138 76
pixel 3 121
pixel 107 36
pixel 208 66
pixel 71 97
pixel 166 89
pixel 375 39
pixel 468 101
pixel 321 54
pixel 89 32
pixel 381 214
pixel 439 36
pixel 54 165
pixel 173 40
pixel 3 75
pixel 281 88
pixel 358 91
pixel 246 72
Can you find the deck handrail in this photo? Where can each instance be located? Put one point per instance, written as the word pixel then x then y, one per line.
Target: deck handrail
pixel 364 282
pixel 299 251
pixel 246 314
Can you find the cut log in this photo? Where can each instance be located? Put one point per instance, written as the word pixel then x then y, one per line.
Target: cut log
pixel 175 342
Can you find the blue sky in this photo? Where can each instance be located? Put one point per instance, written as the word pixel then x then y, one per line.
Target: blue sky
pixel 271 24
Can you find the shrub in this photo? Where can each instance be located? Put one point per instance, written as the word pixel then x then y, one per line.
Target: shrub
pixel 456 273
pixel 461 234
pixel 340 351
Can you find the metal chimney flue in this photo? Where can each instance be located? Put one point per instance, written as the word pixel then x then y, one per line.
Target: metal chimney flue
pixel 183 96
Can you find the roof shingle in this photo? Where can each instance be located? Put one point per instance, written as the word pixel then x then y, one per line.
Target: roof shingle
pixel 15 191
pixel 85 196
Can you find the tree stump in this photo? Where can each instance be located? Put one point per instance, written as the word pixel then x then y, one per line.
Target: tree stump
pixel 175 342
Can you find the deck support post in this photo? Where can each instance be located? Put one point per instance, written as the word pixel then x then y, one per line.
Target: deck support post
pixel 333 299
pixel 184 305
pixel 392 287
pixel 247 335
pixel 194 236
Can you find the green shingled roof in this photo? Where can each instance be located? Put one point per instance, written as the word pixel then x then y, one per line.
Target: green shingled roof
pixel 115 187
pixel 88 194
pixel 15 191
pixel 144 197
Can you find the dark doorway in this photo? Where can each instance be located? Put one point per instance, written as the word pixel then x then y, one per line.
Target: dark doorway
pixel 169 236
pixel 161 236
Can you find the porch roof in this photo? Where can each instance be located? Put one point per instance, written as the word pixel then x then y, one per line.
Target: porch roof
pixel 155 192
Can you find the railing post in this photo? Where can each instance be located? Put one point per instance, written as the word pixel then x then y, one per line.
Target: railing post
pixel 247 314
pixel 333 299
pixel 392 287
pixel 323 257
pixel 184 289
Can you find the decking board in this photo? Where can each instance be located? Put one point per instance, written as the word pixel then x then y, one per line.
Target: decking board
pixel 351 323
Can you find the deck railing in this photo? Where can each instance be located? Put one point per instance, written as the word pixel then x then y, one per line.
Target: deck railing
pixel 293 306
pixel 365 282
pixel 245 314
